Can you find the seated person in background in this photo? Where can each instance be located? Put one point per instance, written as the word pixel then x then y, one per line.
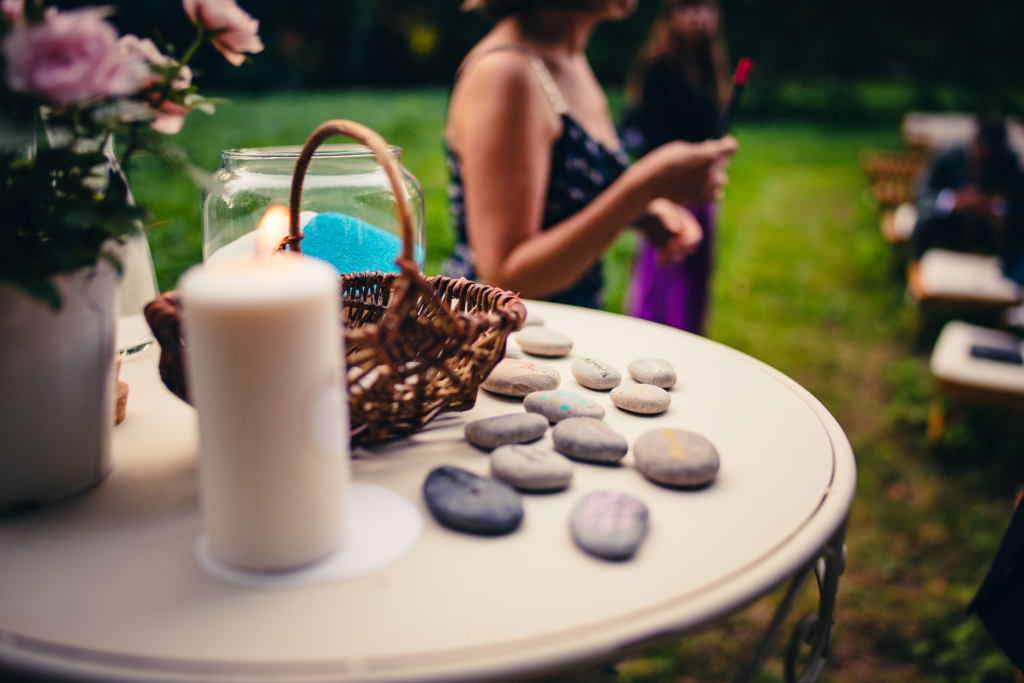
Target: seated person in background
pixel 970 200
pixel 540 184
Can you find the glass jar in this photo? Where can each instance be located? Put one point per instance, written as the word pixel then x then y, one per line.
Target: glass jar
pixel 348 213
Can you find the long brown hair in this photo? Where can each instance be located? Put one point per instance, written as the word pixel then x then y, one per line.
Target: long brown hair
pixel 704 67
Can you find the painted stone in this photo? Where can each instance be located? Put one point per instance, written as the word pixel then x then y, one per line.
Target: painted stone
pixel 595 374
pixel 645 399
pixel 656 371
pixel 558 405
pixel 463 501
pixel 497 431
pixel 513 377
pixel 543 341
pixel 609 525
pixel 676 457
pixel 533 319
pixel 530 467
pixel 588 439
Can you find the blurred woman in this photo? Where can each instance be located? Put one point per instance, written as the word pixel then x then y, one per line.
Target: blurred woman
pixel 540 183
pixel 677 91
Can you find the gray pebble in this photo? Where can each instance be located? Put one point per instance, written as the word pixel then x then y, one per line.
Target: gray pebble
pixel 656 371
pixel 533 319
pixel 609 525
pixel 512 350
pixel 595 374
pixel 646 399
pixel 513 377
pixel 463 501
pixel 543 341
pixel 498 431
pixel 584 438
pixel 676 457
pixel 558 405
pixel 531 468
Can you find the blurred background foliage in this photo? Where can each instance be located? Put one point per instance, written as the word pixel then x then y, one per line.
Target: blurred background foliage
pixel 846 59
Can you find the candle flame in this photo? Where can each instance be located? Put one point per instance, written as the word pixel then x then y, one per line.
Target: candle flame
pixel 273 228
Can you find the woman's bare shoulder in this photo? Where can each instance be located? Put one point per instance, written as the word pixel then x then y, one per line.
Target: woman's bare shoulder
pixel 499 70
pixel 500 84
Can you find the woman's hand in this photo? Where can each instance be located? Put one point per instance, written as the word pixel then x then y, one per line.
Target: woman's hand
pixel 687 172
pixel 672 229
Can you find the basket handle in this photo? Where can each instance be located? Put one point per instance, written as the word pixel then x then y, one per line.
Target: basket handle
pixel 385 158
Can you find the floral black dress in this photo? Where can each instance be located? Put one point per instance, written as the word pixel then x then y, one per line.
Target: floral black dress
pixel 581 169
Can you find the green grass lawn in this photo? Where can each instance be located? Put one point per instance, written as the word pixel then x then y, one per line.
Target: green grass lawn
pixel 805 283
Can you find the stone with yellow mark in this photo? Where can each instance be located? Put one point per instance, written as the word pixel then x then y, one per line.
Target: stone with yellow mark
pixel 645 399
pixel 676 457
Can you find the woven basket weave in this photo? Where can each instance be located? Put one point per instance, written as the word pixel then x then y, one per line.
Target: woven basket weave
pixel 415 346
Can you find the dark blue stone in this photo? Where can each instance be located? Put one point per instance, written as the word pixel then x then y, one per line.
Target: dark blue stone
pixel 463 501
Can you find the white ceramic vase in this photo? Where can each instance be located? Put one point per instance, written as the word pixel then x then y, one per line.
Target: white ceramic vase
pixel 57 381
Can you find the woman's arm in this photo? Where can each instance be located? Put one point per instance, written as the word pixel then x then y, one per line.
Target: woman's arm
pixel 502 128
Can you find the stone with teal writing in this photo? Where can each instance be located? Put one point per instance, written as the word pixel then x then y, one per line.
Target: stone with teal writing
pixel 559 405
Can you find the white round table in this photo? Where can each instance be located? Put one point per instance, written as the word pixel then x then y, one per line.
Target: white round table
pixel 106 586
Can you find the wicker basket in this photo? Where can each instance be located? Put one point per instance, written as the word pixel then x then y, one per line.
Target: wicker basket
pixel 416 346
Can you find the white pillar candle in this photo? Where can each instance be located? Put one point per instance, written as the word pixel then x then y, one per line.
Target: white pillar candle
pixel 264 352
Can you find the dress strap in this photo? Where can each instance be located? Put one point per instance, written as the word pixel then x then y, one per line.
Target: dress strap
pixel 539 67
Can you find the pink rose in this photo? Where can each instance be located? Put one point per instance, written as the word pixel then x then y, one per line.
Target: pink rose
pixel 13 10
pixel 231 29
pixel 170 118
pixel 169 115
pixel 145 50
pixel 72 57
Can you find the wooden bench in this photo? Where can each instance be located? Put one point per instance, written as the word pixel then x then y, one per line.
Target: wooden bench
pixel 966 380
pixel 955 281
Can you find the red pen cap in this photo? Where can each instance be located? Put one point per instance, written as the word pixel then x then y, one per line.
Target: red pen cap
pixel 742 69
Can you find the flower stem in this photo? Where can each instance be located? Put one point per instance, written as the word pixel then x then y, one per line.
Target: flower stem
pixel 194 46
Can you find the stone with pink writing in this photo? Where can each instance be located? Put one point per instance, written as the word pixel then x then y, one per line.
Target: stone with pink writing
pixel 531 467
pixel 516 377
pixel 558 405
pixel 590 440
pixel 676 457
pixel 645 399
pixel 595 374
pixel 543 341
pixel 609 525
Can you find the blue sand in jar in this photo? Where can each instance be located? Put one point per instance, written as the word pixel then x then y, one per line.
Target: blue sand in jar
pixel 352 245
